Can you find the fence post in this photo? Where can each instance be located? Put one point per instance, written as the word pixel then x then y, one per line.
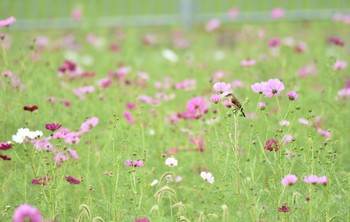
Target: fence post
pixel 186 13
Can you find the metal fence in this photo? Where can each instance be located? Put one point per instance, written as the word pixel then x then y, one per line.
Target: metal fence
pixel 53 14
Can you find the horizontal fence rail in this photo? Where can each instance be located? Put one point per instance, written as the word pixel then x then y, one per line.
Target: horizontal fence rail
pixel 56 14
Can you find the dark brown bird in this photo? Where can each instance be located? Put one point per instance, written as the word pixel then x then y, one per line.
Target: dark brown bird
pixel 235 102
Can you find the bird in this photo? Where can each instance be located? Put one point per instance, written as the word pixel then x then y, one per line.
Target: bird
pixel 235 102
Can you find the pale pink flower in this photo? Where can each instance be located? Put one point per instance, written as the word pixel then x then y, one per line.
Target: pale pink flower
pixel 27 212
pixel 236 84
pixel 289 180
pixel 307 70
pixel 73 154
pixel 76 14
pixel 89 124
pixel 340 65
pixel 199 142
pixel 303 121
pixel 248 62
pixel 187 84
pixel 233 13
pixel 212 25
pixel 222 87
pixel 7 21
pixel 261 105
pixel 273 87
pixel 344 93
pixel 277 13
pixel 284 123
pixel 292 95
pixel 287 139
pixel 43 144
pixel 60 157
pixel 323 180
pixel 128 116
pixel 61 134
pixel 275 42
pixel 313 179
pixel 134 163
pixel 324 133
pixel 227 103
pixel 104 83
pixel 215 98
pixel 258 87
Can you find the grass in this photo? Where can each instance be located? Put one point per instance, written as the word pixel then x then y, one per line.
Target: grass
pixel 248 178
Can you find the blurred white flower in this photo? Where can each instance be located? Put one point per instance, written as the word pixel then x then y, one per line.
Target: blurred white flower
pixel 207 176
pixel 170 55
pixel 22 133
pixel 155 182
pixel 35 134
pixel 171 161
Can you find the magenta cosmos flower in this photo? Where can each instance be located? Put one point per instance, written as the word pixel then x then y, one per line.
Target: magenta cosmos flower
pixel 292 95
pixel 273 87
pixel 144 219
pixel 72 180
pixel 7 21
pixel 289 180
pixel 52 126
pixel 196 107
pixel 222 87
pixel 271 145
pixel 26 212
pixel 284 209
pixel 30 108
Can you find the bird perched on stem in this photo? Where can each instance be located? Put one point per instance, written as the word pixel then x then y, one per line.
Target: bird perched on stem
pixel 235 102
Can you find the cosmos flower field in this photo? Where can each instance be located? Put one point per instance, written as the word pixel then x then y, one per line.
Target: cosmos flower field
pixel 139 124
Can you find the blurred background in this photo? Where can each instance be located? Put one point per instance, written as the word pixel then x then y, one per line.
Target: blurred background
pixel 55 14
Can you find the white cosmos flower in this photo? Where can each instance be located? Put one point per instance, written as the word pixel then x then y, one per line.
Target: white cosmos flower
pixel 155 182
pixel 171 161
pixel 207 176
pixel 22 133
pixel 170 55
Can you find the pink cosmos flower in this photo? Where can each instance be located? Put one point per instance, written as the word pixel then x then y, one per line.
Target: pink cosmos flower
pixel 215 98
pixel 130 106
pixel 40 181
pixel 187 84
pixel 303 121
pixel 43 144
pixel 199 143
pixel 73 154
pixel 72 180
pixel 274 42
pixel 222 87
pixel 273 87
pixel 340 65
pixel 271 145
pixel 284 209
pixel 52 126
pixel 60 157
pixel 144 219
pixel 336 41
pixel 128 116
pixel 76 14
pixel 172 151
pixel 324 133
pixel 80 92
pixel 237 84
pixel 134 163
pixel 227 103
pixel 7 21
pixel 262 105
pixel 344 93
pixel 196 107
pixel 258 87
pixel 104 83
pixel 149 39
pixel 212 25
pixel 248 62
pixel 89 124
pixel 287 138
pixel 233 13
pixel 27 212
pixel 292 95
pixel 61 134
pixel 289 180
pixel 284 123
pixel 323 180
pixel 313 179
pixel 277 13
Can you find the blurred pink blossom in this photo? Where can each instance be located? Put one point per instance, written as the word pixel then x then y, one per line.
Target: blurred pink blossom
pixel 289 180
pixel 277 13
pixel 212 25
pixel 7 21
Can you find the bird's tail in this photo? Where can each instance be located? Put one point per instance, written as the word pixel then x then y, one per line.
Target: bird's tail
pixel 242 112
